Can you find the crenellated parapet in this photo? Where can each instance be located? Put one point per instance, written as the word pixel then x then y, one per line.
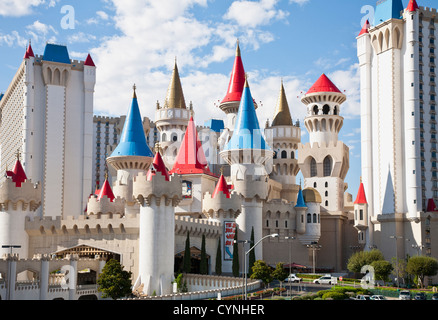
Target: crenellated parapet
pixel 29 195
pixel 157 187
pixel 252 187
pixel 104 205
pixel 197 227
pixel 220 206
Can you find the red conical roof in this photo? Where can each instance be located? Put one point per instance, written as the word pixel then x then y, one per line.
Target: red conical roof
pixel 365 28
pixel 361 198
pixel 237 81
pixel 29 52
pixel 191 158
pixel 323 84
pixel 157 166
pixel 431 207
pixel 18 175
pixel 412 6
pixel 89 61
pixel 106 191
pixel 221 186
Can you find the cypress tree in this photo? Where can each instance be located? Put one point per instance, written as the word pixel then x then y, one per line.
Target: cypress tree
pixel 219 258
pixel 203 269
pixel 252 257
pixel 187 263
pixel 235 266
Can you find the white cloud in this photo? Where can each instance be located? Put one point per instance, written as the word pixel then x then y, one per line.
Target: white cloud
pixel 18 8
pixel 12 39
pixel 41 32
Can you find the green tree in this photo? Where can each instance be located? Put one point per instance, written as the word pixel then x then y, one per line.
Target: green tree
pixel 262 271
pixel 251 257
pixel 235 265
pixel 280 273
pixel 114 282
pixel 422 266
pixel 218 268
pixel 363 258
pixel 382 269
pixel 187 262
pixel 203 268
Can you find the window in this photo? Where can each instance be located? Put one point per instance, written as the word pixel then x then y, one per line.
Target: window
pixel 361 214
pixel 315 218
pixel 315 110
pixel 313 171
pixel 326 109
pixel 309 218
pixel 186 189
pixel 283 154
pixel 327 166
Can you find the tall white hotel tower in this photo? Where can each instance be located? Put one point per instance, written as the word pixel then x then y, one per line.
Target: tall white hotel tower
pixel 47 118
pixel 398 113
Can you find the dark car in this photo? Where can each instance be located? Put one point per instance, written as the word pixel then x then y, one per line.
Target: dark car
pixel 435 296
pixel 420 296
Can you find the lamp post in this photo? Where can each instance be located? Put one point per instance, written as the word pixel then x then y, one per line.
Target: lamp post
pixel 243 250
pixel 396 256
pixel 9 268
pixel 314 246
pixel 290 263
pixel 274 235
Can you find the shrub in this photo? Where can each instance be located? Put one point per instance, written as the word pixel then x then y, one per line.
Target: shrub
pixel 333 295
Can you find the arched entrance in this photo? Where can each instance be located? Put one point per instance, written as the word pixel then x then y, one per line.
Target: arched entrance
pixel 195 259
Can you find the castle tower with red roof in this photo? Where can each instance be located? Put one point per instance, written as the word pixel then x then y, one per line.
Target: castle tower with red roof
pixel 361 221
pixel 19 199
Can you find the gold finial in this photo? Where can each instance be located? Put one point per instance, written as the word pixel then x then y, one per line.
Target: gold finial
pixel 18 154
pixel 135 94
pixel 361 179
pixel 222 170
pixel 238 54
pixel 106 175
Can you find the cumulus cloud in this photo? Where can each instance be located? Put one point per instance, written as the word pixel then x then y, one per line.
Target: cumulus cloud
pixel 18 8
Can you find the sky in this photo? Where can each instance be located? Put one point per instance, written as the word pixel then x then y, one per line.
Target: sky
pixel 137 42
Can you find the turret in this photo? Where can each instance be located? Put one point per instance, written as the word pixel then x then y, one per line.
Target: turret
pixel 224 207
pixel 131 156
pixel 158 194
pixel 105 203
pixel 247 153
pixel 19 199
pixel 361 222
pixel 284 136
pixel 301 209
pixel 312 198
pixel 171 118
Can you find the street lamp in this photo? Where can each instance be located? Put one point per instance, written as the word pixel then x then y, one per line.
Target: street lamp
pixel 396 256
pixel 290 263
pixel 314 246
pixel 243 250
pixel 274 235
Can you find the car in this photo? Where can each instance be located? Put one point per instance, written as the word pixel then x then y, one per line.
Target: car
pixel 420 296
pixel 404 295
pixel 363 297
pixel 378 297
pixel 293 278
pixel 326 280
pixel 435 296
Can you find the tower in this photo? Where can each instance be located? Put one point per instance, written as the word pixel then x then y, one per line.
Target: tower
pixel 19 199
pixel 361 218
pixel 324 161
pixel 158 193
pixel 171 119
pixel 247 153
pixel 284 136
pixel 131 156
pixel 105 203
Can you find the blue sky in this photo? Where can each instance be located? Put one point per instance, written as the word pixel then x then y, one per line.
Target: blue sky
pixel 134 41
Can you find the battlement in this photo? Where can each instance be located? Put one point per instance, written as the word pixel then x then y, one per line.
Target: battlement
pixel 197 227
pixel 213 208
pixel 251 187
pixel 29 195
pixel 157 187
pixel 323 145
pixel 104 205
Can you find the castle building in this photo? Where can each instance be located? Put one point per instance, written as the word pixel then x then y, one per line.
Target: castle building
pixel 398 108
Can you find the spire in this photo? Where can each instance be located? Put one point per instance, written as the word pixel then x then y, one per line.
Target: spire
pixel 29 52
pixel 412 6
pixel 365 28
pixel 133 140
pixel 191 158
pixel 323 84
pixel 106 191
pixel 300 200
pixel 237 81
pixel 361 198
pixel 17 174
pixel 247 133
pixel 282 116
pixel 175 95
pixel 157 166
pixel 221 186
pixel 89 61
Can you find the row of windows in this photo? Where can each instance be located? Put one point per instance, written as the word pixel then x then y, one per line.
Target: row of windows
pixel 283 155
pixel 327 166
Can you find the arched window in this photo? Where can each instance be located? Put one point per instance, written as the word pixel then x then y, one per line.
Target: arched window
pixel 309 218
pixel 315 185
pixel 326 109
pixel 174 137
pixel 313 171
pixel 326 193
pixel 335 111
pixel 326 184
pixel 327 166
pixel 164 137
pixel 315 218
pixel 315 110
pixel 292 155
pixel 326 203
pixel 283 154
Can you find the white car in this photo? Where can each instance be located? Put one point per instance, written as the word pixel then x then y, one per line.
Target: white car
pixel 378 297
pixel 326 280
pixel 293 278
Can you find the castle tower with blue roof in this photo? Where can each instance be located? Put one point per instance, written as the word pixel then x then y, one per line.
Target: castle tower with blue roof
pixel 131 156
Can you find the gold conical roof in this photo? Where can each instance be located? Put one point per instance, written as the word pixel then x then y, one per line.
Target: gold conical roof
pixel 175 95
pixel 282 114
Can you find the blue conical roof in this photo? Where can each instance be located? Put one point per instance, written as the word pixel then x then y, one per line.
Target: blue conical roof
pixel 133 140
pixel 247 133
pixel 300 200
